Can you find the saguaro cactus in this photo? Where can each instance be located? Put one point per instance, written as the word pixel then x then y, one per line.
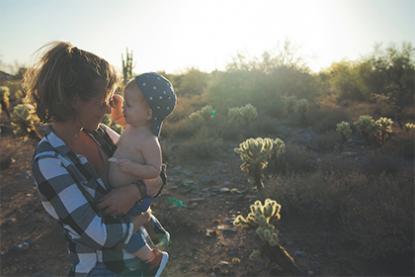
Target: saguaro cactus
pixel 127 66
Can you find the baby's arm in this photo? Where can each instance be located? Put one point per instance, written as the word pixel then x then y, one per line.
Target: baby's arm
pixel 151 152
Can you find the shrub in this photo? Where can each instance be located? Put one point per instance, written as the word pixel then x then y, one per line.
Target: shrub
pixel 302 107
pixel 375 213
pixel 378 215
pixel 295 159
pixel 189 126
pixel 326 142
pixel 366 126
pixel 242 116
pixel 5 100
pixel 205 144
pixel 345 131
pixel 325 119
pixel 25 121
pixel 377 163
pixel 239 122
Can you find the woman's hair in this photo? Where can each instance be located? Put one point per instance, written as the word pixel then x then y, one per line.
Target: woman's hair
pixel 62 73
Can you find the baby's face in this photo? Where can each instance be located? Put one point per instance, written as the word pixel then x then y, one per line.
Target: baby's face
pixel 136 110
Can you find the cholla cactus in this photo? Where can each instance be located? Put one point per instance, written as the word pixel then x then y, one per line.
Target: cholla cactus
pixel 5 100
pixel 202 115
pixel 409 126
pixel 366 126
pixel 241 116
pixel 289 103
pixel 255 155
pixel 264 217
pixel 383 129
pixel 279 147
pixel 25 120
pixel 205 116
pixel 345 131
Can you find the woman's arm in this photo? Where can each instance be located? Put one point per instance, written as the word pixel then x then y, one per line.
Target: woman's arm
pixel 64 201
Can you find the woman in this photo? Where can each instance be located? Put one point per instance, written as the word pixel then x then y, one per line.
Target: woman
pixel 73 90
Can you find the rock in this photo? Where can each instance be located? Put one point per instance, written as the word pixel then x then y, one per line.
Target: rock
pixel 235 190
pixel 9 221
pixel 233 252
pixel 299 253
pixel 206 179
pixel 197 199
pixel 211 233
pixel 228 220
pixel 227 230
pixel 6 162
pixel 177 168
pixel 22 246
pixel 186 172
pixel 223 267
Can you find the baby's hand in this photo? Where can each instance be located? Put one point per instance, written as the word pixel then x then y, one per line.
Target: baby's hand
pixel 125 165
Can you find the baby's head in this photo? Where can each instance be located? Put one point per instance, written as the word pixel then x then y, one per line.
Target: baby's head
pixel 149 98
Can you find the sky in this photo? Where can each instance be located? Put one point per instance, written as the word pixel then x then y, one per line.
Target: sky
pixel 175 35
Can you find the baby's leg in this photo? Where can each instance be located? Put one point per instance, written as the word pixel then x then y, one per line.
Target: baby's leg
pixel 154 258
pixel 145 253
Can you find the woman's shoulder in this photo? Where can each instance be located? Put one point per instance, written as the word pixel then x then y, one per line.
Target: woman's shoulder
pixel 44 149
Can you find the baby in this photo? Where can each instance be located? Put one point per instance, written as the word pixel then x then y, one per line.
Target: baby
pixel 149 99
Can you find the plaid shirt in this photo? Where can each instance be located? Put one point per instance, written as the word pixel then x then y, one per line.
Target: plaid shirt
pixel 68 186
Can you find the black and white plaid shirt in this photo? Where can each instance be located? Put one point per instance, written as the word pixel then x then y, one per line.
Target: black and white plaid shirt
pixel 68 186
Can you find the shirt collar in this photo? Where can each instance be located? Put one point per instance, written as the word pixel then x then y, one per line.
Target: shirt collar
pixel 56 142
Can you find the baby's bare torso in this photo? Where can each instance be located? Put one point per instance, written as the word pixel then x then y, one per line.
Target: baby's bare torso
pixel 128 147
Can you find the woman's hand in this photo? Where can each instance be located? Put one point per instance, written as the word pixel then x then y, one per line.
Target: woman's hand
pixel 153 186
pixel 119 200
pixel 141 219
pixel 117 114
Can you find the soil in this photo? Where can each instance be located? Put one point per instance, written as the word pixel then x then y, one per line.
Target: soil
pixel 204 242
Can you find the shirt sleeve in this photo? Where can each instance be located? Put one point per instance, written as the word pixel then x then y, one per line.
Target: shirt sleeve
pixel 64 201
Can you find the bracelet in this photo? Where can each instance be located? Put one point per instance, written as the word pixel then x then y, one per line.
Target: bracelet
pixel 142 189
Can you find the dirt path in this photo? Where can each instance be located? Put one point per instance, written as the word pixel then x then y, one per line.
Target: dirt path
pixel 197 208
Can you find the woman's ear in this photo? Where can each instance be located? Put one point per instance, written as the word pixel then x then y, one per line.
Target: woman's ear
pixel 75 103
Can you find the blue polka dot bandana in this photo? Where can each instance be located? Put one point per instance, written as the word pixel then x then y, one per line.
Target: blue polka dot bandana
pixel 160 96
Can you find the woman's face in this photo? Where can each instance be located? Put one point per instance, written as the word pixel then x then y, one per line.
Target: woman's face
pixel 91 112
